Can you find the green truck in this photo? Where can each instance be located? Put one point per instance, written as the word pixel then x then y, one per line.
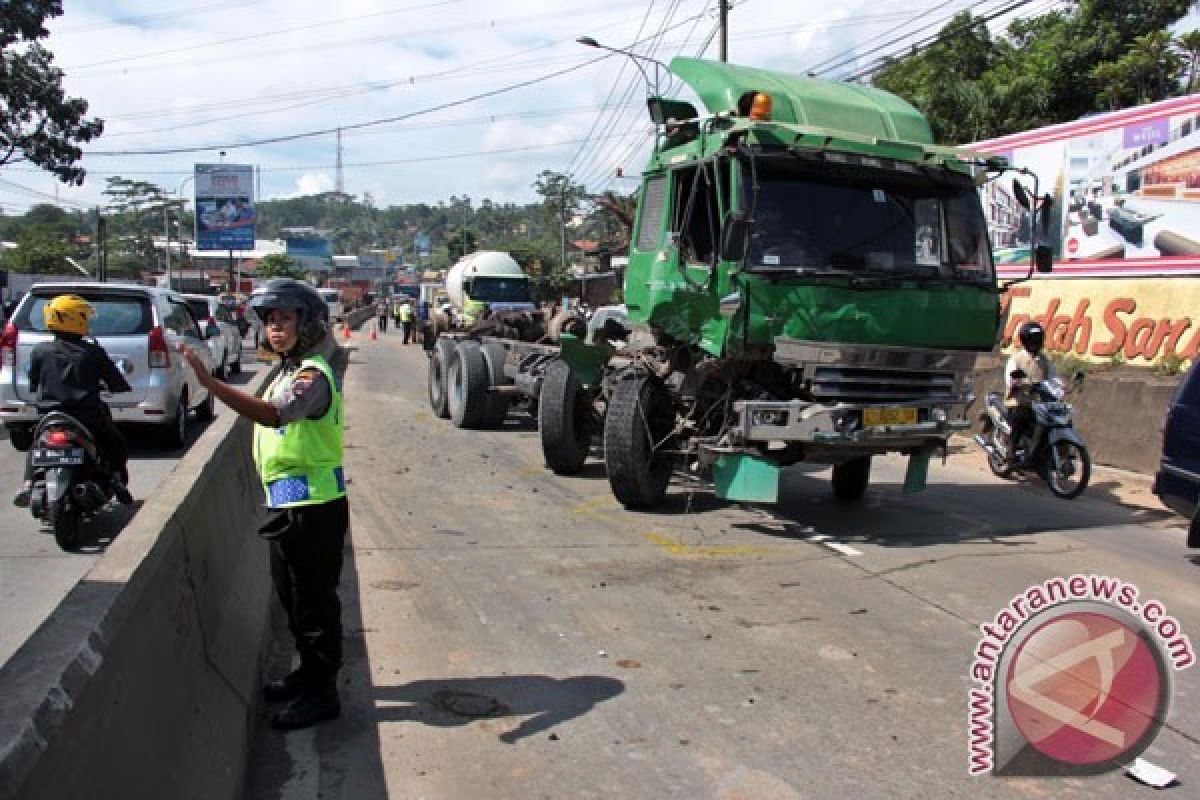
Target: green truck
pixel 810 279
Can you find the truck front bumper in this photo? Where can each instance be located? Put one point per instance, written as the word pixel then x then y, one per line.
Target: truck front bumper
pixel 805 422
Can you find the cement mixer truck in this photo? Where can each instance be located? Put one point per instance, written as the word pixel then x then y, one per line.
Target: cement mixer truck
pixel 489 344
pixel 482 283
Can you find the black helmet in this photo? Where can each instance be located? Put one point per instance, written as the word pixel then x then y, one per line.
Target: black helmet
pixel 300 297
pixel 1032 336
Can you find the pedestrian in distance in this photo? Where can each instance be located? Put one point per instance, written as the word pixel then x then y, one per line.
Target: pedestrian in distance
pixel 405 315
pixel 381 314
pixel 298 452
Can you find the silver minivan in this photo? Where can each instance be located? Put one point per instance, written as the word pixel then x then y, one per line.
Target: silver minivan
pixel 140 327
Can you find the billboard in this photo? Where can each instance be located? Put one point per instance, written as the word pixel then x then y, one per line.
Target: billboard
pixel 1126 188
pixel 311 250
pixel 225 213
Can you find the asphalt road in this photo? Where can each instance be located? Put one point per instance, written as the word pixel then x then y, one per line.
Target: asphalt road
pixel 35 574
pixel 512 634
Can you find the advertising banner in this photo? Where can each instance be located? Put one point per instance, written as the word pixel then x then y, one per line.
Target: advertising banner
pixel 225 213
pixel 1126 189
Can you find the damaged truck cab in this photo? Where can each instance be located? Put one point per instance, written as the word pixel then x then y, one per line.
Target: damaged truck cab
pixel 810 279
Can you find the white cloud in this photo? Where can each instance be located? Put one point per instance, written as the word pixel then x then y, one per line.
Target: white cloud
pixel 312 183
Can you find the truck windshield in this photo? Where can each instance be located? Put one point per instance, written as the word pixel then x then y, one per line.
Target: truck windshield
pixel 499 290
pixel 865 221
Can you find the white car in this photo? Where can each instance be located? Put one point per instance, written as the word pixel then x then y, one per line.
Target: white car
pixel 220 329
pixel 333 299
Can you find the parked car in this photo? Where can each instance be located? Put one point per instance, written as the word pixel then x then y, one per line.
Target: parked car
pixel 226 347
pixel 1177 482
pixel 236 303
pixel 140 327
pixel 333 299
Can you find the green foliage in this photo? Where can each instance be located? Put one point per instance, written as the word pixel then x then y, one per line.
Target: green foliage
pixel 1117 359
pixel 279 265
pixel 40 249
pixel 1095 55
pixel 1170 364
pixel 38 122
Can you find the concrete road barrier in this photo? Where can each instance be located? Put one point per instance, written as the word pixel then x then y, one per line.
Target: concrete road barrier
pixel 144 682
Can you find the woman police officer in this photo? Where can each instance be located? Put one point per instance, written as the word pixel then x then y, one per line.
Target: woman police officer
pixel 298 453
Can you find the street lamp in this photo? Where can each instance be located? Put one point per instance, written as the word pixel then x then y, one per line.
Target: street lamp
pixel 636 58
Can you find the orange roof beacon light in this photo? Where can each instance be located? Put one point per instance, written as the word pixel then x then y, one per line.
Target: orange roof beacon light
pixel 760 109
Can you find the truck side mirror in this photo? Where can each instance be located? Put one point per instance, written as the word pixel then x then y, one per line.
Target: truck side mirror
pixel 733 236
pixel 1043 258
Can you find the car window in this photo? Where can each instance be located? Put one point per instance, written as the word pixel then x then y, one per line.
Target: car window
pixel 181 321
pixel 199 308
pixel 116 315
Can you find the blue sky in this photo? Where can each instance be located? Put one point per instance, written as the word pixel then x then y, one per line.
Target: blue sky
pixel 167 74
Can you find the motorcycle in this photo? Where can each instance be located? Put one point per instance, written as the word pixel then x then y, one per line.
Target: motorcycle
pixel 70 479
pixel 1052 447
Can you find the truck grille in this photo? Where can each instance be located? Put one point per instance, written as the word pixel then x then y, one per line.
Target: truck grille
pixel 872 385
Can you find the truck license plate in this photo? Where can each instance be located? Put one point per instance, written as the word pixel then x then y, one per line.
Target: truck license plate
pixel 888 416
pixel 48 457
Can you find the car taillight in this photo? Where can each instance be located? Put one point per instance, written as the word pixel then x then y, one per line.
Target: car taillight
pixel 160 355
pixel 8 345
pixel 57 438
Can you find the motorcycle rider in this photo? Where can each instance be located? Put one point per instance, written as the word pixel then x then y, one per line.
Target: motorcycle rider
pixel 1026 367
pixel 298 451
pixel 69 372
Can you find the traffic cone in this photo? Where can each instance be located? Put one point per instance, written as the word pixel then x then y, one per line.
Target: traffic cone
pixel 374 332
pixel 345 331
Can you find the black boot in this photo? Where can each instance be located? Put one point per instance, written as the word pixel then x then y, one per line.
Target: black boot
pixel 285 689
pixel 316 704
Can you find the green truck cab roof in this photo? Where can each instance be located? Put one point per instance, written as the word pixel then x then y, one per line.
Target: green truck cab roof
pixel 801 100
pixel 810 113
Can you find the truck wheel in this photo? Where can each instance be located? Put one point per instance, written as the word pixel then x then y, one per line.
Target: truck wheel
pixel 467 385
pixel 496 407
pixel 439 365
pixel 851 478
pixel 564 420
pixel 637 440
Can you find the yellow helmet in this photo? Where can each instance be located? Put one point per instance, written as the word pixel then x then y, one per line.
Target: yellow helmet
pixel 68 313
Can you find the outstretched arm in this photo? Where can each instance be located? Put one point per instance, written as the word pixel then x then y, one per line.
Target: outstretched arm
pixel 253 408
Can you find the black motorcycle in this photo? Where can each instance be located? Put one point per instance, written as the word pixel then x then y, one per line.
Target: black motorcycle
pixel 70 480
pixel 1052 447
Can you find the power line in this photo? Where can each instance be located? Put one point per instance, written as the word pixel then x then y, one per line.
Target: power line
pixel 941 36
pixel 854 53
pixel 326 46
pixel 34 192
pixel 253 36
pixel 612 90
pixel 136 19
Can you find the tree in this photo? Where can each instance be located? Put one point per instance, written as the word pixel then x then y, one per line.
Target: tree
pixel 1091 56
pixel 279 265
pixel 40 249
pixel 38 122
pixel 1189 47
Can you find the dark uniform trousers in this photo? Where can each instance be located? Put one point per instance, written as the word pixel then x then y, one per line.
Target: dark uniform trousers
pixel 306 560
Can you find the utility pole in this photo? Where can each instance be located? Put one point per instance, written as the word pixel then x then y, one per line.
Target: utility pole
pixel 562 224
pixel 724 22
pixel 167 231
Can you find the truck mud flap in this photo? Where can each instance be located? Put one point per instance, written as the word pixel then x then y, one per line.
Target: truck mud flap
pixel 743 478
